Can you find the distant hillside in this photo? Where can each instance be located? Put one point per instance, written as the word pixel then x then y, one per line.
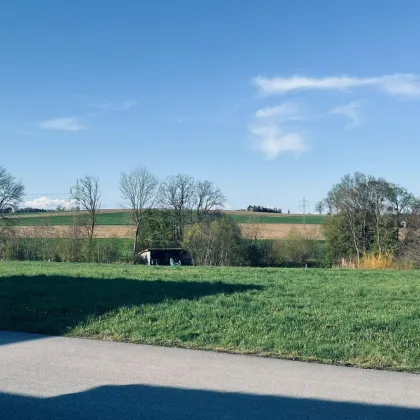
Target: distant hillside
pixel 121 218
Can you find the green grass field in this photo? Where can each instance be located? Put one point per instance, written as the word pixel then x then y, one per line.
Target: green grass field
pixel 122 219
pixel 369 319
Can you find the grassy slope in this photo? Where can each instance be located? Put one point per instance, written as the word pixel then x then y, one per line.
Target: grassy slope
pixel 371 319
pixel 121 218
pixel 67 219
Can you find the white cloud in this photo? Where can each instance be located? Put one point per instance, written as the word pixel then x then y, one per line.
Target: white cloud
pixel 62 124
pixel 269 135
pixel 283 111
pixel 397 84
pixel 271 140
pixel 48 203
pixel 349 111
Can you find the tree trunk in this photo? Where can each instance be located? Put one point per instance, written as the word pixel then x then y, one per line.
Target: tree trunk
pixel 136 238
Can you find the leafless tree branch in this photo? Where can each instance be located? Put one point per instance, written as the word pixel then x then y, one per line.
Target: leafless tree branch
pixel 139 191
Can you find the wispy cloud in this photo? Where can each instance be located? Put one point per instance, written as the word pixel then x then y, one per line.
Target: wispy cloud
pixel 104 103
pixel 350 111
pixel 62 124
pixel 286 110
pixel 271 127
pixel 407 85
pixel 271 140
pixel 48 203
pixel 271 137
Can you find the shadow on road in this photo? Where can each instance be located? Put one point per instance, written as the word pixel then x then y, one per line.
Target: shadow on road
pixel 7 337
pixel 147 402
pixel 54 304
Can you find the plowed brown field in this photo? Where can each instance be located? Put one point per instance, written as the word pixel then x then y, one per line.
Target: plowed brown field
pixel 265 231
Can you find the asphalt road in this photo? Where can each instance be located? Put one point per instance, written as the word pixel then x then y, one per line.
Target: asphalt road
pixel 63 378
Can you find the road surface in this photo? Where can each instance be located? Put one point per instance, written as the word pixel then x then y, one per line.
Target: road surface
pixel 47 378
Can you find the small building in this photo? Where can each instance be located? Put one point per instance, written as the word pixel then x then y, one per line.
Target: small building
pixel 163 256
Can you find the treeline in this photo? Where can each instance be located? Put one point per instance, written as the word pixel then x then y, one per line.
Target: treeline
pixel 372 220
pixel 217 242
pixel 262 209
pixel 32 210
pixel 22 210
pixel 178 211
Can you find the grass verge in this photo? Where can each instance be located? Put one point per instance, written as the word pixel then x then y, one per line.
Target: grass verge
pixel 365 318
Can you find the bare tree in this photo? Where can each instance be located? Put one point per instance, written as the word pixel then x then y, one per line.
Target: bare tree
pixel 216 242
pixel 401 202
pixel 87 195
pixel 139 191
pixel 11 192
pixel 189 200
pixel 253 230
pixel 178 194
pixel 208 198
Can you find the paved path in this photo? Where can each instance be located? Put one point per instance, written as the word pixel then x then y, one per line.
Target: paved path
pixel 63 378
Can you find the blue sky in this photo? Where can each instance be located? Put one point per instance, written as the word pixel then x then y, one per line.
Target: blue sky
pixel 271 100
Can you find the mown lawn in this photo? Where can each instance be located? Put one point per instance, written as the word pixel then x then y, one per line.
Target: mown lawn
pixel 364 318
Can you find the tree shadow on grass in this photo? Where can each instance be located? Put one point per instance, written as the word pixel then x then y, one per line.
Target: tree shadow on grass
pixel 54 304
pixel 164 403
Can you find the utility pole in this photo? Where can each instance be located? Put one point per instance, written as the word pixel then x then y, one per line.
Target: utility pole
pixel 304 207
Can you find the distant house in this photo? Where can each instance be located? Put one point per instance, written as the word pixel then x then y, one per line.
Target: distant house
pixel 163 256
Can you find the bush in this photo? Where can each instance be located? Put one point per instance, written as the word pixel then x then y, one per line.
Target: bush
pixel 299 248
pixel 259 253
pixel 215 243
pixel 105 252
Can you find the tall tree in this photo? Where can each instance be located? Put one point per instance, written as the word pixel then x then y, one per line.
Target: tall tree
pixel 207 199
pixel 178 194
pixel 190 201
pixel 87 195
pixel 11 192
pixel 410 249
pixel 400 203
pixel 320 206
pixel 139 191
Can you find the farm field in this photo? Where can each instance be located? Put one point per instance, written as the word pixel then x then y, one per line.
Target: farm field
pixel 348 317
pixel 283 219
pixel 115 223
pixel 66 219
pixel 267 231
pixel 121 218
